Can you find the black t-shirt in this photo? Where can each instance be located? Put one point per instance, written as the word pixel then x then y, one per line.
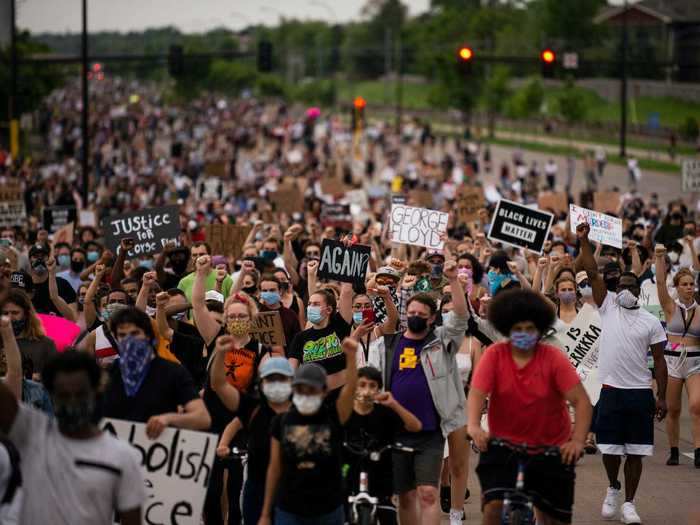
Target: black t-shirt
pixel 374 431
pixel 166 386
pixel 322 346
pixel 256 416
pixel 310 482
pixel 188 346
pixel 42 300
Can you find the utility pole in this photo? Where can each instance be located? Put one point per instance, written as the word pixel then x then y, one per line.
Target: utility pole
pixel 623 86
pixel 85 161
pixel 399 84
pixel 387 62
pixel 13 107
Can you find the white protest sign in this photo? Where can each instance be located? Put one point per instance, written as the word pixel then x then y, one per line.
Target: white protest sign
pixel 175 467
pixel 691 175
pixel 605 229
pixel 418 226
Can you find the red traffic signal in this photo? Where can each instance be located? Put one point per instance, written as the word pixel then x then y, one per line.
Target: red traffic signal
pixel 359 103
pixel 548 56
pixel 466 53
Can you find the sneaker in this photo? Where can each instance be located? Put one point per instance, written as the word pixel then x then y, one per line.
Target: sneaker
pixel 611 504
pixel 629 514
pixel 456 517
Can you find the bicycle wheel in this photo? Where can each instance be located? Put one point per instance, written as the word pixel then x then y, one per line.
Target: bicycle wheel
pixel 364 515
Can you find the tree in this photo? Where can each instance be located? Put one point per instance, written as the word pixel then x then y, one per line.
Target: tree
pixel 231 77
pixel 570 21
pixel 496 92
pixel 527 101
pixel 572 106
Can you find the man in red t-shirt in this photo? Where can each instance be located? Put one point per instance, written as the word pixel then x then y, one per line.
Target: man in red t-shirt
pixel 527 384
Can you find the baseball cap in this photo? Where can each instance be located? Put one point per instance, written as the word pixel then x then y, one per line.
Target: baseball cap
pixel 389 272
pixel 580 277
pixel 23 281
pixel 433 253
pixel 38 249
pixel 213 295
pixel 276 365
pixel 310 374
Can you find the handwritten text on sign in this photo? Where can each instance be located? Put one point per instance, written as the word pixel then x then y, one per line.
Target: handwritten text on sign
pixel 150 229
pixel 267 329
pixel 418 226
pixel 175 467
pixel 341 263
pixel 691 175
pixel 605 229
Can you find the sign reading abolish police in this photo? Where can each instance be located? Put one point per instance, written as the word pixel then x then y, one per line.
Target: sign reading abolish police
pixel 150 229
pixel 517 225
pixel 691 175
pixel 418 226
pixel 175 467
pixel 343 263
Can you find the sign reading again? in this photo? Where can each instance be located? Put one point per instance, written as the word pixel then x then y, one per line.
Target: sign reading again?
pixel 150 229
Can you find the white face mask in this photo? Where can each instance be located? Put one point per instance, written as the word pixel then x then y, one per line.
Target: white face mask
pixel 307 405
pixel 626 299
pixel 277 391
pixel 586 291
pixel 674 256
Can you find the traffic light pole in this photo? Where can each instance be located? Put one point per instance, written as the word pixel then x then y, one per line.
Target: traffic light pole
pixel 13 106
pixel 84 116
pixel 623 86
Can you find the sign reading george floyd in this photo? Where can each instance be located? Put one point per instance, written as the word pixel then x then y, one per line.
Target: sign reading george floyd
pixel 520 226
pixel 343 263
pixel 176 467
pixel 150 229
pixel 418 226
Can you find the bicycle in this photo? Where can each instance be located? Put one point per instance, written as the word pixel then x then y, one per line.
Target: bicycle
pixel 364 506
pixel 518 505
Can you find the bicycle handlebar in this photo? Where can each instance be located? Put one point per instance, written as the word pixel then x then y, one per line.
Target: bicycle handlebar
pixel 364 451
pixel 524 448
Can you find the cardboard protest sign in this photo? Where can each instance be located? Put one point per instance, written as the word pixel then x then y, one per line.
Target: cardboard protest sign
pixel 691 175
pixel 517 225
pixel 267 329
pixel 56 217
pixel 227 239
pixel 470 200
pixel 288 198
pixel 606 201
pixel 176 468
pixel 210 189
pixel 556 201
pixel 87 218
pixel 12 209
pixel 332 181
pixel 605 229
pixel 421 198
pixel 341 263
pixel 418 226
pixel 215 169
pixel 151 230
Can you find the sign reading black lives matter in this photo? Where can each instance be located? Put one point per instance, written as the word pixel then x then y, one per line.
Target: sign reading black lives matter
pixel 341 263
pixel 56 217
pixel 150 229
pixel 520 226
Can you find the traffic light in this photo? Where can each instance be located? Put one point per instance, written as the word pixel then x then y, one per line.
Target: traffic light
pixel 548 59
pixel 465 57
pixel 264 56
pixel 176 61
pixel 358 113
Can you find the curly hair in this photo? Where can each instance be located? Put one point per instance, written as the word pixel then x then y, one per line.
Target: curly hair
pixel 515 306
pixel 683 272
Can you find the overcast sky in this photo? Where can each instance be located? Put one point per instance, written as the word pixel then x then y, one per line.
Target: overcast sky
pixel 188 15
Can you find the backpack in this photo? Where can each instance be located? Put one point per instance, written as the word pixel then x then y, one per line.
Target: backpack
pixel 15 481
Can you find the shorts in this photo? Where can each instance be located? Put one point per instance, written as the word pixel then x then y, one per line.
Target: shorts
pixel 548 481
pixel 421 467
pixel 624 423
pixel 679 364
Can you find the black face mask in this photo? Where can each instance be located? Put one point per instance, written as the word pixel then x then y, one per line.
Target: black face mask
pixel 39 267
pixel 179 266
pixel 250 290
pixel 18 326
pixel 417 324
pixel 77 266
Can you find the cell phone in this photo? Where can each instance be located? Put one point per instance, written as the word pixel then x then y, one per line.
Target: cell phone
pixel 5 242
pixel 368 316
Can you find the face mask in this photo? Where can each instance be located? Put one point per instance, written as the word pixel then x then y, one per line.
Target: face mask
pixel 238 327
pixel 307 405
pixel 447 318
pixel 357 318
pixel 179 266
pixel 63 260
pixel 674 256
pixel 626 299
pixel 524 341
pixel 110 310
pixel 179 316
pixel 146 263
pixel 93 256
pixel 277 391
pixel 268 255
pixel 271 298
pixel 417 324
pixel 314 315
pixel 567 297
pixel 250 290
pixel 611 283
pixel 74 416
pixel 39 267
pixel 495 281
pixel 586 291
pixel 18 326
pixel 135 356
pixel 77 266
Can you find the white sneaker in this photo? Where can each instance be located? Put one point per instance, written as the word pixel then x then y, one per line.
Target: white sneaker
pixel 456 517
pixel 611 504
pixel 629 514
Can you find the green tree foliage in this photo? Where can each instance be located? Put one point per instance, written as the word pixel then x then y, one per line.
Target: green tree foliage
pixel 231 77
pixel 568 21
pixel 495 94
pixel 316 92
pixel 571 105
pixel 527 101
pixel 690 130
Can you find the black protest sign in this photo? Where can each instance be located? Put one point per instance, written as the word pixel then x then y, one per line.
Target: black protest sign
pixel 12 209
pixel 520 226
pixel 343 263
pixel 336 215
pixel 56 217
pixel 150 229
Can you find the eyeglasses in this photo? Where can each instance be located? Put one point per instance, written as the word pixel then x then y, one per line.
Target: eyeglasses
pixel 239 317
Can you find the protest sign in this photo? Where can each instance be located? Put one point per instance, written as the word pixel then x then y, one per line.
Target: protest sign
pixel 341 263
pixel 558 202
pixel 418 226
pixel 215 169
pixel 87 218
pixel 691 175
pixel 12 209
pixel 210 189
pixel 151 230
pixel 470 200
pixel 517 225
pixel 606 201
pixel 332 181
pixel 56 217
pixel 398 198
pixel 605 229
pixel 421 198
pixel 288 198
pixel 226 239
pixel 176 467
pixel 336 216
pixel 64 234
pixel 267 329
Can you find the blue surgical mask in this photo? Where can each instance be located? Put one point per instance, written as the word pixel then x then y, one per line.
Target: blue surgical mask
pixel 93 256
pixel 357 318
pixel 314 315
pixel 63 261
pixel 268 255
pixel 271 298
pixel 146 263
pixel 447 318
pixel 524 341
pixel 495 281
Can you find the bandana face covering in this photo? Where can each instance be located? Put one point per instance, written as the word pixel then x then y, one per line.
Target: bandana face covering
pixel 135 356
